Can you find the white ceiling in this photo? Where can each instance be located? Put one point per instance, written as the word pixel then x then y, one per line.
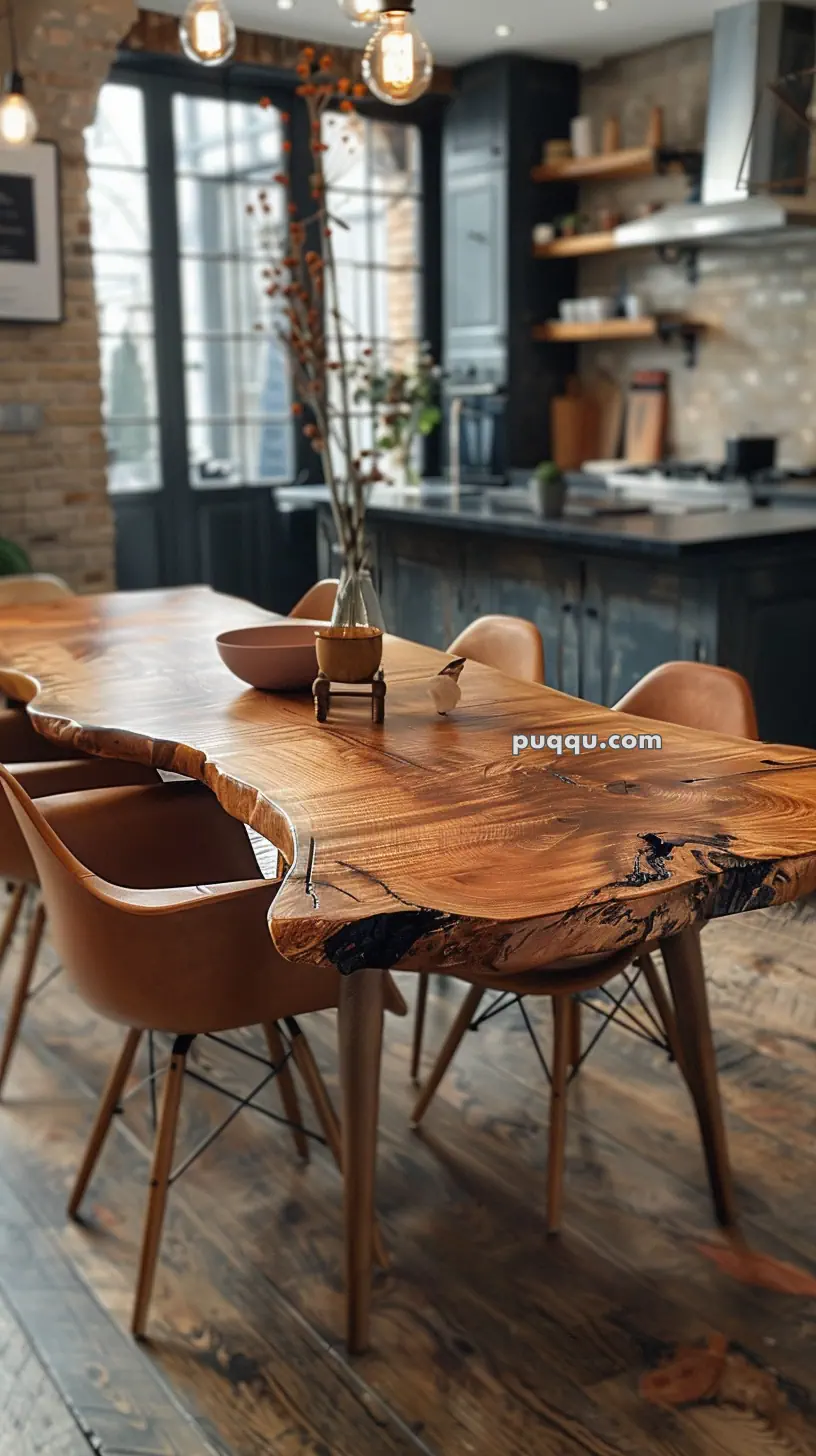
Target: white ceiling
pixel 461 30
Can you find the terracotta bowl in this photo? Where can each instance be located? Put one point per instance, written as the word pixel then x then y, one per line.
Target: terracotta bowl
pixel 349 654
pixel 278 658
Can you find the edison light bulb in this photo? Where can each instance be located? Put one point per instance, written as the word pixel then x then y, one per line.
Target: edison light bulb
pixel 18 122
pixel 361 12
pixel 207 32
pixel 397 63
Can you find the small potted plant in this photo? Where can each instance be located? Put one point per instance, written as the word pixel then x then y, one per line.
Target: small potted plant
pixel 549 490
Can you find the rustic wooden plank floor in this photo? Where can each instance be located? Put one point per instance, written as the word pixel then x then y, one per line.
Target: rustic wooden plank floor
pixel 488 1337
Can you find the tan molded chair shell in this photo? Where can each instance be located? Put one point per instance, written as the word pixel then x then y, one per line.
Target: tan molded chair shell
pixel 24 590
pixel 42 780
pixel 695 695
pixel 317 604
pixel 21 743
pixel 192 956
pixel 510 644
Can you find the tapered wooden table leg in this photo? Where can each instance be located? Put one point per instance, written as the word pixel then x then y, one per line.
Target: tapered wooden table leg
pixel 563 1046
pixel 575 1034
pixel 360 1026
pixel 683 958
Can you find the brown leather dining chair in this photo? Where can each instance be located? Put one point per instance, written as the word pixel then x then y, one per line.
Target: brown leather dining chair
pixel 174 939
pixel 697 695
pixel 43 769
pixel 513 646
pixel 317 604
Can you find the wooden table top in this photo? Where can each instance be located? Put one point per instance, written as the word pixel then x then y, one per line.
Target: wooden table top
pixel 425 843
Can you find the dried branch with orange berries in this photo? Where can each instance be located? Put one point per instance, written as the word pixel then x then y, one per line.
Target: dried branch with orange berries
pixel 311 327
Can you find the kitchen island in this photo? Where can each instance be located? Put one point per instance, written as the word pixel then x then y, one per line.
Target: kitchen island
pixel 613 593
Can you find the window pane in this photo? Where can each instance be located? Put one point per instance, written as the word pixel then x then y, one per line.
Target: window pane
pixel 240 452
pixel 200 125
pixel 128 376
pixel 133 455
pixel 124 298
pixel 395 157
pixel 116 138
pixel 119 211
pixel 256 135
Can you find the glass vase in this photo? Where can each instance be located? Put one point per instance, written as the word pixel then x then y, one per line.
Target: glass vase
pixel 357 603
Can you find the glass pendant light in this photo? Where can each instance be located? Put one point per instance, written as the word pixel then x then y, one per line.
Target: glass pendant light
pixel 18 121
pixel 361 12
pixel 397 62
pixel 207 32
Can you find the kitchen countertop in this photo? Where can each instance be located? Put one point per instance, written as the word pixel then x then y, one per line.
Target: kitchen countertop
pixel 508 513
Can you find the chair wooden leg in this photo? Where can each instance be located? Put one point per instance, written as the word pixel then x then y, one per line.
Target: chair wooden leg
pixel 466 1013
pixel 160 1174
pixel 22 989
pixel 360 1021
pixel 419 1026
pixel 285 1084
pixel 575 1034
pixel 563 1044
pixel 304 1060
pixel 104 1117
pixel 663 1006
pixel 15 905
pixel 683 958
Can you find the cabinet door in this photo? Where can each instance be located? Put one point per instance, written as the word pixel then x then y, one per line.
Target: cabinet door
pixel 476 122
pixel 422 584
pixel 518 580
pixel 475 273
pixel 630 623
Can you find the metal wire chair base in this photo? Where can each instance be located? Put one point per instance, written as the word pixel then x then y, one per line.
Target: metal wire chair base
pixel 184 1043
pixel 604 1004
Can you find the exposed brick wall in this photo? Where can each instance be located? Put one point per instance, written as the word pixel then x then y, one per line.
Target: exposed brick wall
pixel 757 368
pixel 53 498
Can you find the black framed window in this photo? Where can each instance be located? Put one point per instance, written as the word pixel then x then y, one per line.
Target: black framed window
pixel 197 392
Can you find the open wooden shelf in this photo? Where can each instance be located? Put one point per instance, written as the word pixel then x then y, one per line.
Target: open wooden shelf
pixel 664 327
pixel 578 246
pixel 558 332
pixel 629 162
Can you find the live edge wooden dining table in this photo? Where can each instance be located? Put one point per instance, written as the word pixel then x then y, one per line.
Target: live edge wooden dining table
pixel 425 844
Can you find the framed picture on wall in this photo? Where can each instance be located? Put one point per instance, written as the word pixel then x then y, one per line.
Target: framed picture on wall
pixel 31 287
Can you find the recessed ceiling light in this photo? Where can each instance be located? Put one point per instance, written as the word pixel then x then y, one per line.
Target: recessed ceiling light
pixel 601 4
pixel 286 4
pixel 504 31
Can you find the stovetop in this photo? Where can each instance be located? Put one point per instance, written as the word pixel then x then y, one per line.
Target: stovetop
pixel 703 471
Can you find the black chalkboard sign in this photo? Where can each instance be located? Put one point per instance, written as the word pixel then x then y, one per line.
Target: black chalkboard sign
pixel 18 235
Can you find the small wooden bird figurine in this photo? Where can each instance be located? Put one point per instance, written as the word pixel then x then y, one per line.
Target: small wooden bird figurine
pixel 444 688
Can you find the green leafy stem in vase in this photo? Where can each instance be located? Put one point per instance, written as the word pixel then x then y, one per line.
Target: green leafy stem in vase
pixel 406 405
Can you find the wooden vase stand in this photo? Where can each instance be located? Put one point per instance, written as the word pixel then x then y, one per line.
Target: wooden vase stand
pixel 324 690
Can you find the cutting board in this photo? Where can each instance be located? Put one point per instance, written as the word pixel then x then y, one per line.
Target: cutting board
pixel 609 396
pixel 647 417
pixel 573 427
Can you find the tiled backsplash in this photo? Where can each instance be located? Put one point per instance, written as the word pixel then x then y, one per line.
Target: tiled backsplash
pixel 756 369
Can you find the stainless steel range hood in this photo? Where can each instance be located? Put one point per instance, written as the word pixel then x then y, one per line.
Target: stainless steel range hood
pixel 754 44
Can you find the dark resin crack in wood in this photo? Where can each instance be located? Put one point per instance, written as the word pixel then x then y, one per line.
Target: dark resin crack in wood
pixel 425 842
